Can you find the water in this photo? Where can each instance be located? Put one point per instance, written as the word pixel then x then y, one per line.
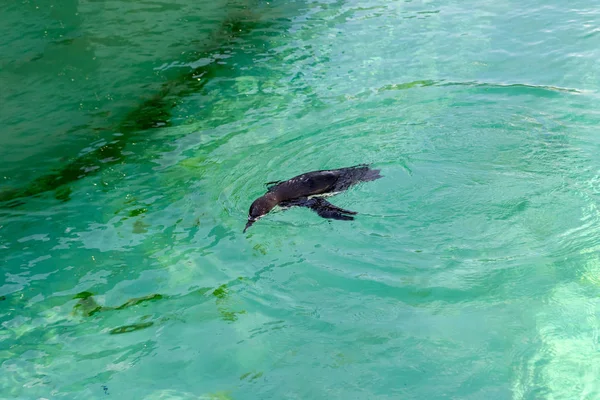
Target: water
pixel 470 272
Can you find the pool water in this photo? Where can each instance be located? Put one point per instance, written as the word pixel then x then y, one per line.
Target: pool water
pixel 136 136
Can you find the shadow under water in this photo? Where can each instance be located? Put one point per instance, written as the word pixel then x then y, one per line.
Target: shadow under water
pixel 87 306
pixel 155 112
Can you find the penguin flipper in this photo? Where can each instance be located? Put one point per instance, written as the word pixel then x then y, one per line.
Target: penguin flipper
pixel 329 213
pixel 322 207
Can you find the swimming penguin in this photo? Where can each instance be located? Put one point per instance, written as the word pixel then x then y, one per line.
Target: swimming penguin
pixel 306 190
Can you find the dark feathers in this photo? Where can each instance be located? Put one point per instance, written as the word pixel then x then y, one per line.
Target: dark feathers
pixel 300 191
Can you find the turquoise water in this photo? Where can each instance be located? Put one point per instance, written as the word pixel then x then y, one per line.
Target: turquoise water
pixel 136 135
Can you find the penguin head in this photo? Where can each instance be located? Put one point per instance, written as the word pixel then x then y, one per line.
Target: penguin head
pixel 260 207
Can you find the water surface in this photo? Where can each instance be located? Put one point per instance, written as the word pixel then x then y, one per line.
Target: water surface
pixel 471 271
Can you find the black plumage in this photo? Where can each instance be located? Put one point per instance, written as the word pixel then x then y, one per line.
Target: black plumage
pixel 306 190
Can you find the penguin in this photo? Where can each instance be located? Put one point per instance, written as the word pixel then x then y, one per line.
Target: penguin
pixel 308 190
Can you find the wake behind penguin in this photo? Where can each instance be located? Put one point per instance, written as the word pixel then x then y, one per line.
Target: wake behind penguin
pixel 308 190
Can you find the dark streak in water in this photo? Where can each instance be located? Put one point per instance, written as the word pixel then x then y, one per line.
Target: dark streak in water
pixel 154 112
pixel 482 85
pixel 87 306
pixel 136 301
pixel 131 328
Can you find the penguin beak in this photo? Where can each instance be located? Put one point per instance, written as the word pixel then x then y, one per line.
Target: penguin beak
pixel 249 224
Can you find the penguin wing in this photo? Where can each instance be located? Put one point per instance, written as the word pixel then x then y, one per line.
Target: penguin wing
pixel 322 207
pixel 327 210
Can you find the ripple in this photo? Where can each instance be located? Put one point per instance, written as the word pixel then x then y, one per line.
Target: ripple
pixel 515 88
pixel 470 269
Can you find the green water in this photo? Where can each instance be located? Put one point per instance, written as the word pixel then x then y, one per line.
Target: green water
pixel 136 135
